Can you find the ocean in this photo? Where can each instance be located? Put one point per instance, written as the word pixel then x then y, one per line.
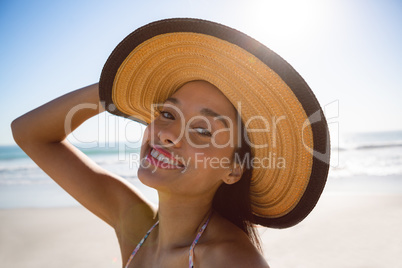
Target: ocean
pixel 360 158
pixel 367 154
pixel 23 184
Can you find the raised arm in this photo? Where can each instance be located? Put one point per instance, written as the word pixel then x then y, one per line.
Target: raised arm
pixel 42 133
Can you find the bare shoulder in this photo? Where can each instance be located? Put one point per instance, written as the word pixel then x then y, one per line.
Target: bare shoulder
pixel 234 255
pixel 230 247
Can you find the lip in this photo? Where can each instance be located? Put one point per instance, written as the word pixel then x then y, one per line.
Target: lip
pixel 161 164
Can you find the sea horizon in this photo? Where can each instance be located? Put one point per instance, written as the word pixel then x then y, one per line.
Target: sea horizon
pixel 360 162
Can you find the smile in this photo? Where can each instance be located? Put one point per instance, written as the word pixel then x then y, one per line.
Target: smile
pixel 161 160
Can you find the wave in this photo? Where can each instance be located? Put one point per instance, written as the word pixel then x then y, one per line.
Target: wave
pixel 26 182
pixel 22 168
pixel 379 145
pixel 368 146
pixel 14 152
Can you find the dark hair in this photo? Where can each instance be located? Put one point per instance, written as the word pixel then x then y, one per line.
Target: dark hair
pixel 232 201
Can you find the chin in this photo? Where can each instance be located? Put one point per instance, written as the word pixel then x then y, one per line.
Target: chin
pixel 148 177
pixel 155 178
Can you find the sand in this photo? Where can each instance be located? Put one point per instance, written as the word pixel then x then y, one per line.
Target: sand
pixel 345 230
pixel 60 237
pixel 342 231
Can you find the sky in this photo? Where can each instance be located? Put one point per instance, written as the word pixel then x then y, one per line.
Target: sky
pixel 348 51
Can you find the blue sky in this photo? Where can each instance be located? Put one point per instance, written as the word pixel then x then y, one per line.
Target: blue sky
pixel 348 51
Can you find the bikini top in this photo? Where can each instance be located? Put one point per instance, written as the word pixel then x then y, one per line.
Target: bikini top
pixel 191 251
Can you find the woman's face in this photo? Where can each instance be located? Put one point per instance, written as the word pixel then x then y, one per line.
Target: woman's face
pixel 188 148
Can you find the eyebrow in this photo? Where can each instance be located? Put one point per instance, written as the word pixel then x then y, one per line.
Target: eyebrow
pixel 209 112
pixel 173 100
pixel 204 111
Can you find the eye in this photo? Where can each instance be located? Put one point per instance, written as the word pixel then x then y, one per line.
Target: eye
pixel 203 131
pixel 166 115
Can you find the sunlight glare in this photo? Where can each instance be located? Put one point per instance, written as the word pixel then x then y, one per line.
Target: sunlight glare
pixel 286 20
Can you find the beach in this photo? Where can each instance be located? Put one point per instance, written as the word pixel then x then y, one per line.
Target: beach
pixel 56 237
pixel 346 229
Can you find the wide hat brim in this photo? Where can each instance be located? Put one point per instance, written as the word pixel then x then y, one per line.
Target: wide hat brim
pixel 286 127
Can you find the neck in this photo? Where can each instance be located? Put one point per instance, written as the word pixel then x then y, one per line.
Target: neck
pixel 180 219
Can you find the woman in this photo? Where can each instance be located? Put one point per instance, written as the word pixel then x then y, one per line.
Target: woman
pixel 231 142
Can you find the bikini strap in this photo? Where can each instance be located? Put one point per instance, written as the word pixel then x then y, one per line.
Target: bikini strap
pixel 191 253
pixel 140 244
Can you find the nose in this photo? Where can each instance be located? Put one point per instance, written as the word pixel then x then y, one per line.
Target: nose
pixel 171 135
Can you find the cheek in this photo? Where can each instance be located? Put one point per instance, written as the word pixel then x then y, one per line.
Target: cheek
pixel 145 140
pixel 147 132
pixel 213 161
pixel 224 138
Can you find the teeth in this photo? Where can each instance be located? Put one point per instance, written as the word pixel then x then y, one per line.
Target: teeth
pixel 154 153
pixel 162 158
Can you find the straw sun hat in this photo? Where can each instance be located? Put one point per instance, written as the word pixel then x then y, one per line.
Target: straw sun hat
pixel 284 120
